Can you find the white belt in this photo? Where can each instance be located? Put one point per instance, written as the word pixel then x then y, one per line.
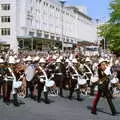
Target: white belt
pixel 59 73
pixel 8 79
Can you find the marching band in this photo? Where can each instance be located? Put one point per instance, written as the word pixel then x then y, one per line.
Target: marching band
pixel 22 75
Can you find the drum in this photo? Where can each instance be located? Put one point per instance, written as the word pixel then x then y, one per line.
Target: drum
pixel 114 80
pixel 50 83
pixel 17 84
pixel 94 79
pixel 29 72
pixel 22 89
pixel 82 81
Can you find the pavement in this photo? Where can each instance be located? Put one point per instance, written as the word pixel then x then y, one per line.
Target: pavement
pixel 59 109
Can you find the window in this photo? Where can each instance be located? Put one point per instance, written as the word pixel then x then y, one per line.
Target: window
pixel 5 18
pixel 5 31
pixel 5 6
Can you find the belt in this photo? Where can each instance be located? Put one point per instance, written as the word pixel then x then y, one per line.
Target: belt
pixel 59 73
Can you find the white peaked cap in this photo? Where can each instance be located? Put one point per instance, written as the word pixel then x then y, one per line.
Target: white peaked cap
pixel 117 62
pixel 18 60
pixel 107 60
pixel 37 58
pixel 11 60
pixel 29 58
pixel 61 57
pixel 58 60
pixel 74 60
pixel 101 60
pixel 54 57
pixel 67 60
pixel 1 60
pixel 87 59
pixel 42 60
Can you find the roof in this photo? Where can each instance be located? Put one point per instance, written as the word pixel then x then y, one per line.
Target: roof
pixel 76 10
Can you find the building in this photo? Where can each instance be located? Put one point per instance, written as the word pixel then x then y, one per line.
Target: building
pixel 43 24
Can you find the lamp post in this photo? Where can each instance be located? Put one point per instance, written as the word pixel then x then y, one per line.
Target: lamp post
pixel 97 21
pixel 62 6
pixel 32 44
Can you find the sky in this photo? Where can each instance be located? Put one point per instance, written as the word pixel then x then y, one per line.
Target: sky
pixel 97 9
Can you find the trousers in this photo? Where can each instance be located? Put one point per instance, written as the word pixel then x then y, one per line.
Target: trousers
pixel 107 95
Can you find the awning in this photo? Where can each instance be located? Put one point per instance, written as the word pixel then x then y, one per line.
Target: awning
pixel 3 42
pixel 24 37
pixel 67 45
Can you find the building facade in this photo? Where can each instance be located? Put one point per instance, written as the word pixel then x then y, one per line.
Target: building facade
pixel 42 24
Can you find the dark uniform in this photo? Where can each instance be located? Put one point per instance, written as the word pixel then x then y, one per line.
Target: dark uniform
pixel 1 79
pixel 40 86
pixel 60 77
pixel 7 85
pixel 73 83
pixel 103 90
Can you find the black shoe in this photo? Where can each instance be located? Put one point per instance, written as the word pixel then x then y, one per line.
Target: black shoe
pixel 7 102
pixel 47 102
pixel 69 97
pixel 16 104
pixel 39 101
pixel 93 112
pixel 0 96
pixel 114 113
pixel 79 99
pixel 61 95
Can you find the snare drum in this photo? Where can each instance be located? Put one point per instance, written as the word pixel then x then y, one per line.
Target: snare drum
pixel 82 81
pixel 50 83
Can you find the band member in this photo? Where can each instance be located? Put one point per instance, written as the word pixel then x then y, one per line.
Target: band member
pixel 41 81
pixel 29 73
pixel 2 65
pixel 60 73
pixel 73 81
pixel 12 72
pixel 103 82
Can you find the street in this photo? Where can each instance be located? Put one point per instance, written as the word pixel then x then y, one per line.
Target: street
pixel 59 109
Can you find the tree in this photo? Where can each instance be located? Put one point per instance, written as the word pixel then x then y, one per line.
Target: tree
pixel 111 30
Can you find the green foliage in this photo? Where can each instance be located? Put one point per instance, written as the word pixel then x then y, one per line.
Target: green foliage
pixel 111 30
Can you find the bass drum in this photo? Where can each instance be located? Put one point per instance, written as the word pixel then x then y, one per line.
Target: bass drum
pixel 22 90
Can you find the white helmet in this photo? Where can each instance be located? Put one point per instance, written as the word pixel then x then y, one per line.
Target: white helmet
pixel 74 60
pixel 54 57
pixel 67 60
pixel 117 62
pixel 1 60
pixel 42 60
pixel 11 60
pixel 101 60
pixel 29 58
pixel 18 60
pixel 87 59
pixel 61 57
pixel 37 58
pixel 58 60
